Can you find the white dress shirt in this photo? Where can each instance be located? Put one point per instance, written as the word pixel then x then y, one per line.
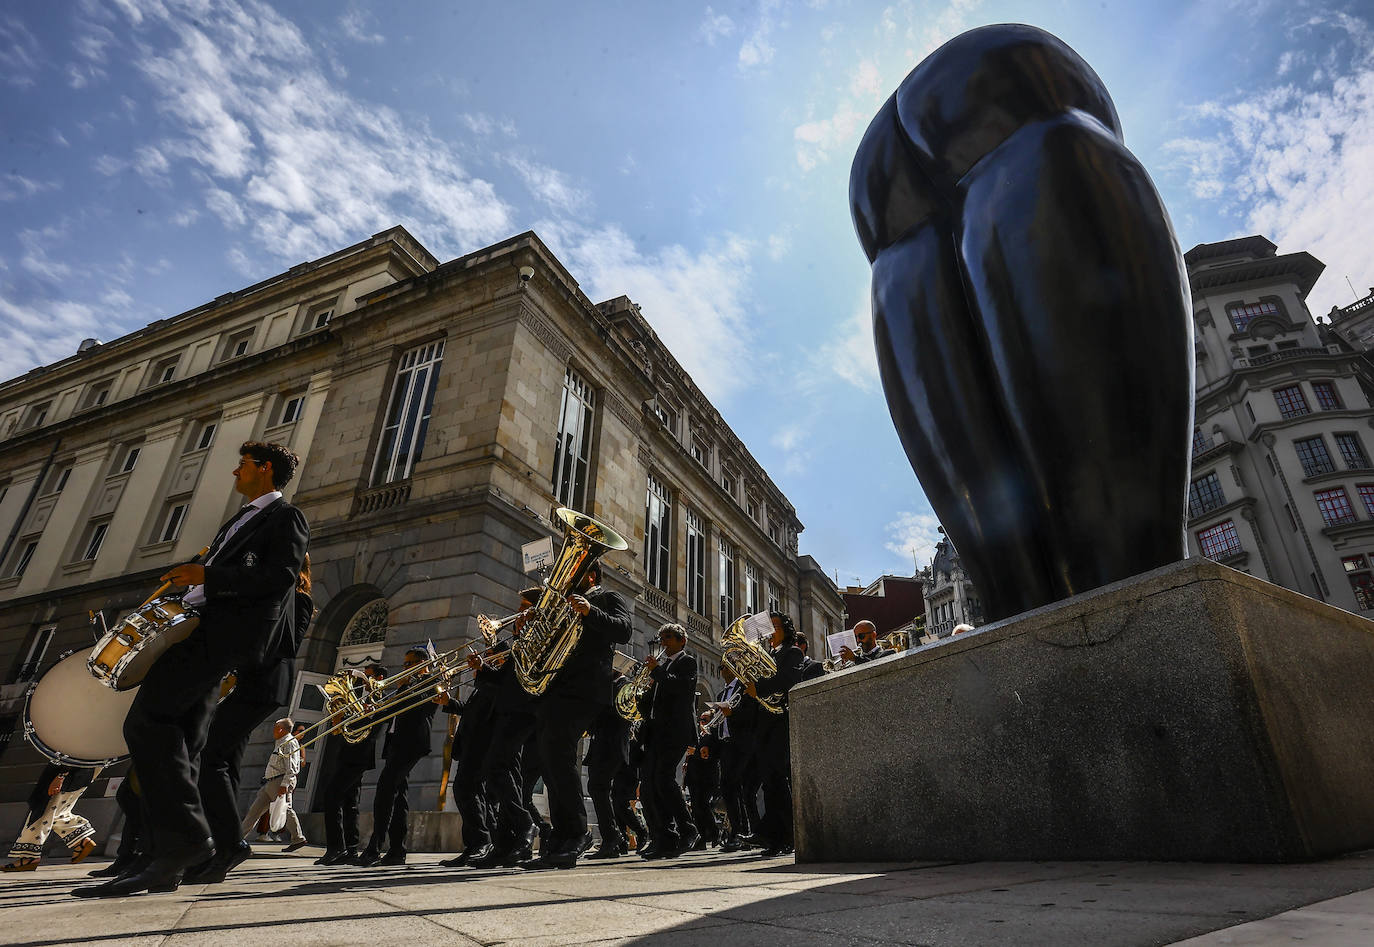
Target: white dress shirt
pixel 195 595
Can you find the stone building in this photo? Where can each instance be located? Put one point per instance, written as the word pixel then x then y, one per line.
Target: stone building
pixel 441 411
pixel 950 598
pixel 1282 485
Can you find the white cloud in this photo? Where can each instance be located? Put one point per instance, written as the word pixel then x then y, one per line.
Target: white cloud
pixel 779 244
pixel 356 25
pixel 716 26
pixel 42 332
pixel 794 442
pixel 849 354
pixel 15 186
pixel 696 301
pixel 549 185
pixel 816 140
pixel 757 49
pixel 308 166
pixel 1296 164
pixel 117 298
pixel 912 537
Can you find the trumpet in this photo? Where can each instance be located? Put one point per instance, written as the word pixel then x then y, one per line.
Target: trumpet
pixel 490 626
pixel 719 714
pixel 628 694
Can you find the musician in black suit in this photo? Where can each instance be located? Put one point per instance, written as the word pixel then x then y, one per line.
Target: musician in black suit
pixel 407 742
pixel 810 669
pixel 342 786
pixel 735 745
pixel 672 729
pixel 608 754
pixel 866 633
pixel 574 699
pixel 774 748
pixel 244 592
pixel 701 777
pixel 258 693
pixel 470 745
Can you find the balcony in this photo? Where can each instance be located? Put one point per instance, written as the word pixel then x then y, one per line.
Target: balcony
pixel 1205 448
pixel 1283 355
pixel 658 600
pixel 381 498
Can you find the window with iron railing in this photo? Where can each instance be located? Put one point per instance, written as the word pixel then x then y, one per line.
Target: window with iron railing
pixel 1334 505
pixel 1352 451
pixel 1291 402
pixel 407 413
pixel 1205 495
pixel 696 563
pixel 1220 541
pixel 1313 456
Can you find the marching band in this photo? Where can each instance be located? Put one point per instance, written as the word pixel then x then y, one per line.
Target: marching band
pixel 547 676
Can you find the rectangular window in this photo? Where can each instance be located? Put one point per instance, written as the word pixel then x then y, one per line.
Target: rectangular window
pixel 666 416
pixel 58 480
pixel 130 459
pixel 696 563
pixel 701 451
pixel 1291 402
pixel 206 437
pixel 751 588
pixel 237 344
pixel 727 483
pixel 1325 393
pixel 727 583
pixel 774 533
pixel 1354 563
pixel 97 394
pixel 36 415
pixel 1366 491
pixel 25 556
pixel 1242 316
pixel 1352 451
pixel 407 413
pixel 164 370
pixel 1201 442
pixel 1204 495
pixel 318 317
pixel 657 531
pixel 774 601
pixel 1255 351
pixel 32 660
pixel 1219 541
pixel 95 541
pixel 1335 506
pixel 1313 456
pixel 1362 584
pixel 171 523
pixel 751 508
pixel 572 454
pixel 291 411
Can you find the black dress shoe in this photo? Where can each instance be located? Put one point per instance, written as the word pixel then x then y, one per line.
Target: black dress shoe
pixel 114 869
pixel 214 872
pixel 368 857
pixel 690 838
pixel 329 858
pixel 582 844
pixel 495 857
pixel 163 873
pixel 296 846
pixel 553 859
pixel 666 846
pixel 470 855
pixel 604 852
pixel 397 856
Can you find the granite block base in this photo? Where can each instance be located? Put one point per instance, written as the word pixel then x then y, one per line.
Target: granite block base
pixel 1191 713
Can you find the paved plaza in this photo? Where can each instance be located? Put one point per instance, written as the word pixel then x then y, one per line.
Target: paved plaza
pixel 719 900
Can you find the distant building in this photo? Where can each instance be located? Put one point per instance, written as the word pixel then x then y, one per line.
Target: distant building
pixel 1282 484
pixel 950 598
pixel 891 602
pixel 442 411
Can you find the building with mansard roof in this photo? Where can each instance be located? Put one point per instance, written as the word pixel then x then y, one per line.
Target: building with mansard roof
pixel 1282 484
pixel 442 411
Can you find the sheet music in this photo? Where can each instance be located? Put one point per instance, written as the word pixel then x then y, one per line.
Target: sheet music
pixel 759 627
pixel 842 639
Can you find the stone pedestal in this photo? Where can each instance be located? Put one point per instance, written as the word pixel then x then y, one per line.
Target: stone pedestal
pixel 1191 713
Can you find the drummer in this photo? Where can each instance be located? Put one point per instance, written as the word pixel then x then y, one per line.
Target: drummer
pixel 243 591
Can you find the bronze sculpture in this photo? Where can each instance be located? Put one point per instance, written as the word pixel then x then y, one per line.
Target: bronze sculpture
pixel 1031 315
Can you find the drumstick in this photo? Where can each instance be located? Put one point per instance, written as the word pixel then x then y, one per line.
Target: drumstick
pixel 167 585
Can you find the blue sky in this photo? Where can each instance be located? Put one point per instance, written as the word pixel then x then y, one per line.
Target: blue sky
pixel 158 153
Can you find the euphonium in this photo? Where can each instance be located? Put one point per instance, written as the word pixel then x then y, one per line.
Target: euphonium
pixel 750 662
pixel 553 628
pixel 627 695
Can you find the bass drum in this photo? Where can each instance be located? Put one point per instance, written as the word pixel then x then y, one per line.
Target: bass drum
pixel 75 720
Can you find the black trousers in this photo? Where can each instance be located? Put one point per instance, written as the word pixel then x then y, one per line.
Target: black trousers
pixel 561 723
pixel 504 779
pixel 736 759
pixel 601 775
pixel 131 837
pixel 530 774
pixel 624 791
pixel 220 763
pixel 469 790
pixel 166 729
pixel 704 789
pixel 670 818
pixel 339 798
pixel 775 772
pixel 391 806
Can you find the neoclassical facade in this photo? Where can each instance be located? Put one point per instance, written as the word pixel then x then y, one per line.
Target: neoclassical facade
pixel 442 412
pixel 1282 483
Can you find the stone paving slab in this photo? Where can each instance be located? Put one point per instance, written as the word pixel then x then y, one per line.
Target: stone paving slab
pixel 715 900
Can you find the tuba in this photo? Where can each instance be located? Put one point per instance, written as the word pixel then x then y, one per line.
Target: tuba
pixel 750 662
pixel 553 628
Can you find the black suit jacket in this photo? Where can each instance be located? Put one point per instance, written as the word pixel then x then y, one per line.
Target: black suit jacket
pixel 610 744
pixel 789 671
pixel 270 683
pixel 877 654
pixel 589 673
pixel 673 711
pixel 249 588
pixel 358 756
pixel 411 737
pixel 812 669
